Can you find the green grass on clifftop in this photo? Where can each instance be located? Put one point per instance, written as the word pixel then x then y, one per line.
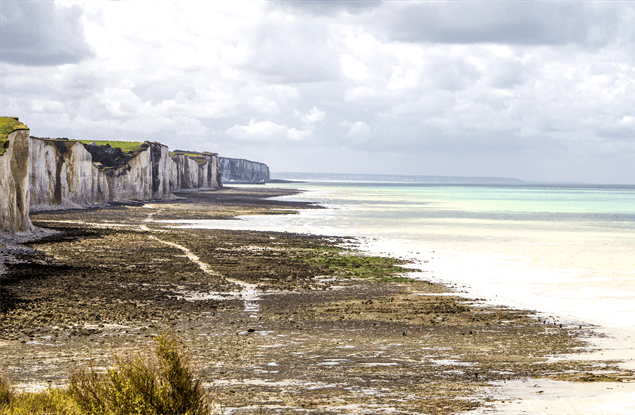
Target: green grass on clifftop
pixel 200 158
pixel 7 126
pixel 130 147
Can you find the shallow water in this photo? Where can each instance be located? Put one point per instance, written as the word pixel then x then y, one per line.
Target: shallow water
pixel 565 251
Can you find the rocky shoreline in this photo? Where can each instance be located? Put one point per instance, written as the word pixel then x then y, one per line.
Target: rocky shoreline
pixel 285 322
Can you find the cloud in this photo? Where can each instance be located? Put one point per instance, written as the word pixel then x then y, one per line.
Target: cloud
pixel 283 50
pixel 325 8
pixel 266 131
pixel 526 23
pixel 383 87
pixel 314 115
pixel 358 132
pixel 42 34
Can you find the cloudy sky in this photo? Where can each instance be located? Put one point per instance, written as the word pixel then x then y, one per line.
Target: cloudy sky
pixel 532 90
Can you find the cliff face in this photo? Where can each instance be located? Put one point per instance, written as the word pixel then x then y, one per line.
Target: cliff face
pixel 14 183
pixel 64 175
pixel 152 174
pixel 46 174
pixel 197 170
pixel 243 171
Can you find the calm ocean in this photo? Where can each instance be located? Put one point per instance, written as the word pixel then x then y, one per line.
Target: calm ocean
pixel 566 251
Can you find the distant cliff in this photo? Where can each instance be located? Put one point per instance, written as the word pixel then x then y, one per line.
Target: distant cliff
pixel 14 176
pixel 243 171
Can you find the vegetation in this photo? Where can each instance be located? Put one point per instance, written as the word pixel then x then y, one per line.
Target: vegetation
pixel 351 264
pixel 7 126
pixel 164 385
pixel 131 147
pixel 197 157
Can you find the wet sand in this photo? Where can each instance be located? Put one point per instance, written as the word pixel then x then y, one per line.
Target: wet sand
pixel 267 324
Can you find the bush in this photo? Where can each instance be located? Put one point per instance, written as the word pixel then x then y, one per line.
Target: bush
pixel 50 401
pixel 6 392
pixel 164 385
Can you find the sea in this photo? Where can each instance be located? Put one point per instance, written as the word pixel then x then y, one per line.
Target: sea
pixel 566 251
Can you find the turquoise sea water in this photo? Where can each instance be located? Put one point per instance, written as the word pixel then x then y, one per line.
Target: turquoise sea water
pixel 566 251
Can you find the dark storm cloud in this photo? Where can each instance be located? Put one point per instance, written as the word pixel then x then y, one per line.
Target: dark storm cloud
pixel 527 23
pixel 42 34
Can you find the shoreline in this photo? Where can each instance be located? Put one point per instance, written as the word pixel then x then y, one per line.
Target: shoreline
pixel 311 332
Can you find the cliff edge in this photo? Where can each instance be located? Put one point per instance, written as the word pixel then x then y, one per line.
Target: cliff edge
pixel 76 174
pixel 197 170
pixel 14 176
pixel 243 171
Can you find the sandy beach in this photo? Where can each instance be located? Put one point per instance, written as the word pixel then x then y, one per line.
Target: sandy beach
pixel 289 323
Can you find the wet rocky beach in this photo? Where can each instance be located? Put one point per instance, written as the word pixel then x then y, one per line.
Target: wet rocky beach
pixel 286 323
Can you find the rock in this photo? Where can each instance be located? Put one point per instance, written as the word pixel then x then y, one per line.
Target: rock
pixel 243 171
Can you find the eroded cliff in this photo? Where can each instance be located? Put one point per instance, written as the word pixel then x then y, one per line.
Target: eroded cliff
pixel 72 174
pixel 197 170
pixel 48 174
pixel 243 171
pixel 14 176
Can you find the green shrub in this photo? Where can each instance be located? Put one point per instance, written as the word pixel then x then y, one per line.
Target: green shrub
pixel 164 385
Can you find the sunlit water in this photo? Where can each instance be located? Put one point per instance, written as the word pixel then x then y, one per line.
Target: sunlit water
pixel 565 251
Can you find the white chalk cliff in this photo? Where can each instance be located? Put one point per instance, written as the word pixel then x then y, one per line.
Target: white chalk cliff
pixel 14 183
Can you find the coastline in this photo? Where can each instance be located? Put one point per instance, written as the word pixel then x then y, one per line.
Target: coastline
pixel 319 344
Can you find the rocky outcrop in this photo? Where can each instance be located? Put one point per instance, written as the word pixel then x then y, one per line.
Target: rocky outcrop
pixel 14 177
pixel 70 174
pixel 197 170
pixel 243 171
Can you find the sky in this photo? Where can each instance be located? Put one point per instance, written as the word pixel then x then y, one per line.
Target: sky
pixel 531 90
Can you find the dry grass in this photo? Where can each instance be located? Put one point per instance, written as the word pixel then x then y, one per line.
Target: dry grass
pixel 164 384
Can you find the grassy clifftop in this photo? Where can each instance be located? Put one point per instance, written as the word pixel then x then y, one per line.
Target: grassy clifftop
pixel 7 126
pixel 200 158
pixel 131 147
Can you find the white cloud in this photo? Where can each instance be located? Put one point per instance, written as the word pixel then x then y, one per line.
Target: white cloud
pixel 313 116
pixel 357 132
pixel 267 130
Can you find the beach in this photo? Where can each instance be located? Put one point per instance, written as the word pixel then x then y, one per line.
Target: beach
pixel 267 325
